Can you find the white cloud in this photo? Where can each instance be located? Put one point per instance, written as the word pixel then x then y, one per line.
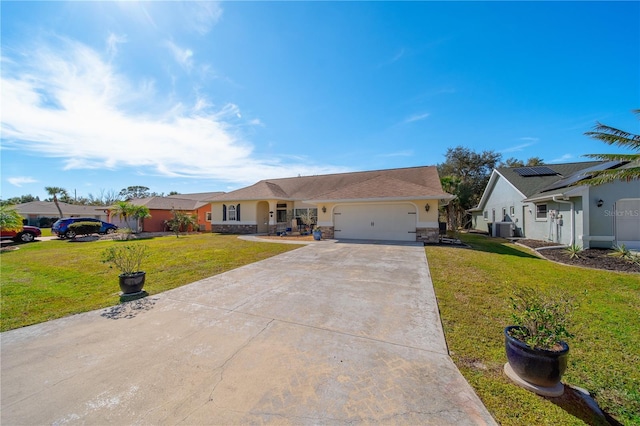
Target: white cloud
pixel 204 15
pixel 562 159
pixel 521 147
pixel 405 153
pixel 20 180
pixel 112 43
pixel 71 104
pixel 183 56
pixel 416 117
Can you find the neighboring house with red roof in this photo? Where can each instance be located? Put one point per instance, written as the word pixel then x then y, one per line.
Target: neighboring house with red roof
pixel 161 209
pixel 395 204
pixel 547 203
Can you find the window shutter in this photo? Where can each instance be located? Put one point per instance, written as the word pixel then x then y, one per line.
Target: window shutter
pixel 224 212
pixel 238 212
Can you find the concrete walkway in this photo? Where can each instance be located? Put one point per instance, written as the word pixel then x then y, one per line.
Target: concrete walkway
pixel 326 334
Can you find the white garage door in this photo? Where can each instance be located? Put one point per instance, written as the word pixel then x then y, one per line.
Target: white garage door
pixel 627 222
pixel 396 222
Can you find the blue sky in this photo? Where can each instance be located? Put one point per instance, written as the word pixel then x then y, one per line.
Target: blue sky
pixel 195 97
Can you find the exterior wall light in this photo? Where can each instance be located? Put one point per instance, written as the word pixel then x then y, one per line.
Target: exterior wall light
pixel 271 213
pixel 427 207
pixel 324 209
pixel 600 203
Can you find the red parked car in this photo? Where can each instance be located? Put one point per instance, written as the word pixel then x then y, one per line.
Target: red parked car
pixel 25 235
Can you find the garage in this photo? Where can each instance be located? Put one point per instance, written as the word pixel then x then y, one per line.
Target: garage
pixel 627 223
pixel 394 222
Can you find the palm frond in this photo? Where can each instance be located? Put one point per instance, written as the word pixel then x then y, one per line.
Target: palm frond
pixel 613 136
pixel 614 157
pixel 606 176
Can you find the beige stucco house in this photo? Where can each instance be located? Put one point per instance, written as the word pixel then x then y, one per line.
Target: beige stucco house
pixel 396 204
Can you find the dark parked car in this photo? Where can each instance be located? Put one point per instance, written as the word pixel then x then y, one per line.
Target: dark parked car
pixel 61 227
pixel 25 235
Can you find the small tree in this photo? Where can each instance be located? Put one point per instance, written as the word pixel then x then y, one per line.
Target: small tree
pixel 181 221
pixel 141 212
pixel 308 218
pixel 124 210
pixel 10 219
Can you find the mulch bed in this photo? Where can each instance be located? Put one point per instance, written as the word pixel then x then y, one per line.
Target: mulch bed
pixel 590 258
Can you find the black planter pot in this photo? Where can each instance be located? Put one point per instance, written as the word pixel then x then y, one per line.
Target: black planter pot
pixel 537 366
pixel 132 283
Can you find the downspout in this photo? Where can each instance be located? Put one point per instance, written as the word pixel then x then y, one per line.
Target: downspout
pixel 573 232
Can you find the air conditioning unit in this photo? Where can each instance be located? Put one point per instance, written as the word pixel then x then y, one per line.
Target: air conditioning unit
pixel 504 229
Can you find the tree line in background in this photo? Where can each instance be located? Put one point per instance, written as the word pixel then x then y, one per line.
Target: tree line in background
pixel 102 198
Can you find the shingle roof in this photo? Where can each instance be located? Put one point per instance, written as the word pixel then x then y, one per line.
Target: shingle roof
pixel 530 185
pixel 49 208
pixel 198 196
pixel 168 203
pixel 419 182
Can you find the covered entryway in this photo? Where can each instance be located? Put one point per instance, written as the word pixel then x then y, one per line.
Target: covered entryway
pixel 393 222
pixel 627 222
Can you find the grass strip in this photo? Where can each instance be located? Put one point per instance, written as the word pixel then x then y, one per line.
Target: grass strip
pixel 473 287
pixel 45 280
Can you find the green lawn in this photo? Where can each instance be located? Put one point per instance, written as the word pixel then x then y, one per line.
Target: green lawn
pixel 473 288
pixel 45 280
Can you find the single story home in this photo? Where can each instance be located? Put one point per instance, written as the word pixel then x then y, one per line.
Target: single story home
pixel 44 213
pixel 161 209
pixel 396 204
pixel 547 203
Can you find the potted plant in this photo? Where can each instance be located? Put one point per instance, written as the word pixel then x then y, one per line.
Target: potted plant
pixel 536 350
pixel 317 233
pixel 128 259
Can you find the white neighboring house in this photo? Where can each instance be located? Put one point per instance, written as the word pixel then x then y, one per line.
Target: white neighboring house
pixel 542 203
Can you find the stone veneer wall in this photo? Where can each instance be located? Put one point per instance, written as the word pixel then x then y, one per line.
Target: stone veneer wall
pixel 327 232
pixel 427 235
pixel 235 229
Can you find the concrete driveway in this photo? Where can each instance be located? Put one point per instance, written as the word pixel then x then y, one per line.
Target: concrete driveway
pixel 326 334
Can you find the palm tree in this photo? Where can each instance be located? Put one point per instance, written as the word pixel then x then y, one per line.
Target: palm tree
pixel 140 212
pixel 613 136
pixel 54 191
pixel 124 210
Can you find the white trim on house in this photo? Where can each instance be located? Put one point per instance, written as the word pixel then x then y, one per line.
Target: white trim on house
pixel 490 185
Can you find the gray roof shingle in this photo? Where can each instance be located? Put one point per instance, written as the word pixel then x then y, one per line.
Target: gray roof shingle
pixel 531 185
pixel 418 182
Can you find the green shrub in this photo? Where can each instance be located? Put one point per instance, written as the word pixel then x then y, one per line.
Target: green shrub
pixel 573 251
pixel 85 228
pixel 127 259
pixel 544 318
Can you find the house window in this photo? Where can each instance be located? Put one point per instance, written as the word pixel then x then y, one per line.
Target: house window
pixel 207 216
pixel 231 213
pixel 541 211
pixel 504 214
pixel 512 210
pixel 485 215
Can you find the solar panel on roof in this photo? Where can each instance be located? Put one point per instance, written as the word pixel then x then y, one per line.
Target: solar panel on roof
pixel 580 175
pixel 535 171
